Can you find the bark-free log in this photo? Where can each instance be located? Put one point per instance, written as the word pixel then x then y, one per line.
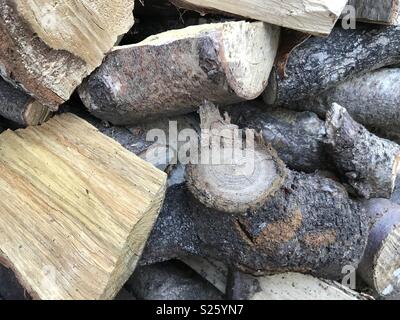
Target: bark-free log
pixel 380 266
pixel 321 63
pixel 49 46
pixel 309 225
pixel 371 99
pixel 382 11
pixel 310 16
pixel 76 209
pixel 19 107
pixel 287 286
pixel 369 163
pixel 174 72
pixel 298 137
pixel 233 177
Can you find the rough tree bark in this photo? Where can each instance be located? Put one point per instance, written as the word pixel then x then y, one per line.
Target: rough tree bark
pixel 298 137
pixel 382 11
pixel 174 72
pixel 316 17
pixel 19 107
pixel 320 63
pixel 171 280
pixel 371 99
pixel 380 266
pixel 47 46
pixel 309 226
pixel 369 163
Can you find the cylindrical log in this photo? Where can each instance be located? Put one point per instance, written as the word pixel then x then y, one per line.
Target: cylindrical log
pixel 174 72
pixel 19 107
pixel 310 226
pixel 380 266
pixel 298 137
pixel 321 63
pixel 372 99
pixel 369 164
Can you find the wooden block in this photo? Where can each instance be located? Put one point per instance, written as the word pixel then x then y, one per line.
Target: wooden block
pixel 311 16
pixel 76 209
pixel 49 46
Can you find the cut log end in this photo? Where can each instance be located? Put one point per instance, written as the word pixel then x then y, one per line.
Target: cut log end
pixel 233 178
pixel 380 266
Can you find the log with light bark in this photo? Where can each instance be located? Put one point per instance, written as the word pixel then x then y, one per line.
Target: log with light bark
pixel 321 63
pixel 382 11
pixel 380 266
pixel 298 137
pixel 369 164
pixel 76 212
pixel 19 107
pixel 310 16
pixel 174 72
pixel 287 286
pixel 293 222
pixel 371 99
pixel 48 47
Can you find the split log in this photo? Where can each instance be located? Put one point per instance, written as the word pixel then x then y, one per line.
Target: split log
pixel 315 17
pixel 174 72
pixel 382 11
pixel 371 99
pixel 48 47
pixel 288 286
pixel 321 63
pixel 171 280
pixel 369 163
pixel 298 137
pixel 19 107
pixel 76 212
pixel 380 266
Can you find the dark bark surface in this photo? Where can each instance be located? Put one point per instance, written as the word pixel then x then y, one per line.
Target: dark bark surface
pixel 320 63
pixel 309 226
pixel 298 137
pixel 368 163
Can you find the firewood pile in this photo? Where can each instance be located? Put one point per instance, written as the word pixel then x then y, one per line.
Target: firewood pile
pixel 199 149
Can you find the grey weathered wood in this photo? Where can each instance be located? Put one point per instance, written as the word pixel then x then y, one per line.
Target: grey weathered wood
pixel 321 63
pixel 382 11
pixel 372 99
pixel 368 163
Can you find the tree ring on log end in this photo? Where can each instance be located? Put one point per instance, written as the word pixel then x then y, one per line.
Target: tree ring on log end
pixel 243 180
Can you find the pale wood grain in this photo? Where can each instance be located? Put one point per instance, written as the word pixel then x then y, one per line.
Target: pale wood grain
pixel 76 209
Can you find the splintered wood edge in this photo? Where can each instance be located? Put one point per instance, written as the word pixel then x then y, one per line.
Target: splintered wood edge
pixel 36 113
pixel 124 268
